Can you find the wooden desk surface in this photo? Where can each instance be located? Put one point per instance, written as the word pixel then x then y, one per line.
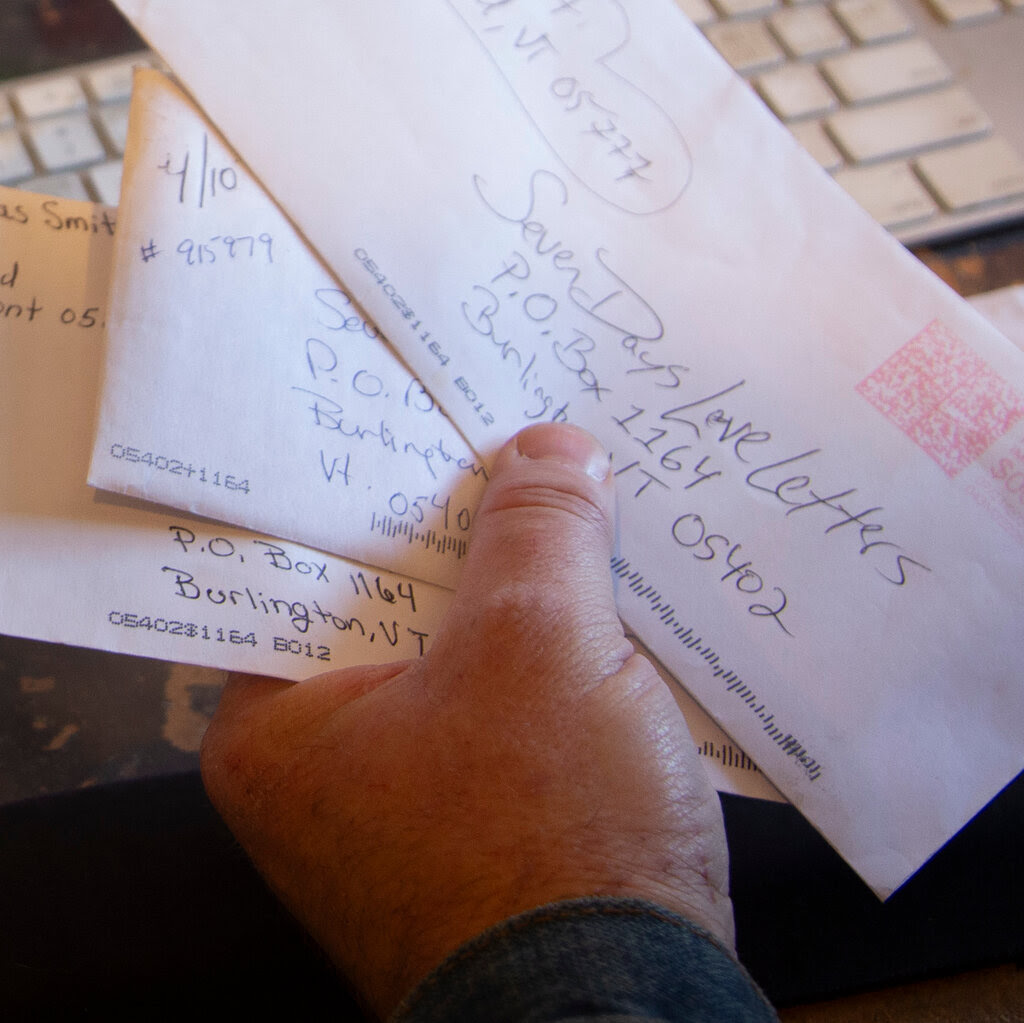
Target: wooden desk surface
pixel 984 996
pixel 978 264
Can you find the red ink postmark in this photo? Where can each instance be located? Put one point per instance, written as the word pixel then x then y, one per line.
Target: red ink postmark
pixel 945 397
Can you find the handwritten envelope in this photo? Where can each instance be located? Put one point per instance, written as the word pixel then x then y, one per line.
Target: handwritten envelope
pixel 576 211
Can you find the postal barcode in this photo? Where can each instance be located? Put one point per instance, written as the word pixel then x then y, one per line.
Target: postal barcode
pixel 428 539
pixel 727 755
pixel 685 634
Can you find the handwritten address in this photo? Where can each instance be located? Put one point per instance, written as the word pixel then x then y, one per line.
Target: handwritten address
pixel 558 60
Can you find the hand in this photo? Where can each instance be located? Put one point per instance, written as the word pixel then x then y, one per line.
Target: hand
pixel 530 756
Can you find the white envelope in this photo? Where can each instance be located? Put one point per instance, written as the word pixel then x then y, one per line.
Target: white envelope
pixel 582 213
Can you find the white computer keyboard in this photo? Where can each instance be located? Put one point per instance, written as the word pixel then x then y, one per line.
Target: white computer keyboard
pixel 916 109
pixel 918 113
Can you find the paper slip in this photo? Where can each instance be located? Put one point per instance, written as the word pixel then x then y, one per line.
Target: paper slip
pixel 96 570
pixel 577 211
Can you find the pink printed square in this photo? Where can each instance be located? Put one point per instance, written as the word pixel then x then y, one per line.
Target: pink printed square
pixel 943 396
pixel 947 440
pixel 991 403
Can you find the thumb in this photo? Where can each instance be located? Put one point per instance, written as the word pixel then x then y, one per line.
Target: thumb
pixel 537 578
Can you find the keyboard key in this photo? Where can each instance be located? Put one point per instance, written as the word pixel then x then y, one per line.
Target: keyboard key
pixel 872 21
pixel 64 186
pixel 796 90
pixel 112 83
pixel 700 12
pixel 808 32
pixel 65 142
pixel 974 174
pixel 742 8
pixel 57 95
pixel 812 137
pixel 889 70
pixel 890 192
pixel 15 163
pixel 105 179
pixel 113 119
pixel 965 12
pixel 907 126
pixel 746 45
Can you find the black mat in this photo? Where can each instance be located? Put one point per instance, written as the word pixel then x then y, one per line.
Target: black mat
pixel 133 896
